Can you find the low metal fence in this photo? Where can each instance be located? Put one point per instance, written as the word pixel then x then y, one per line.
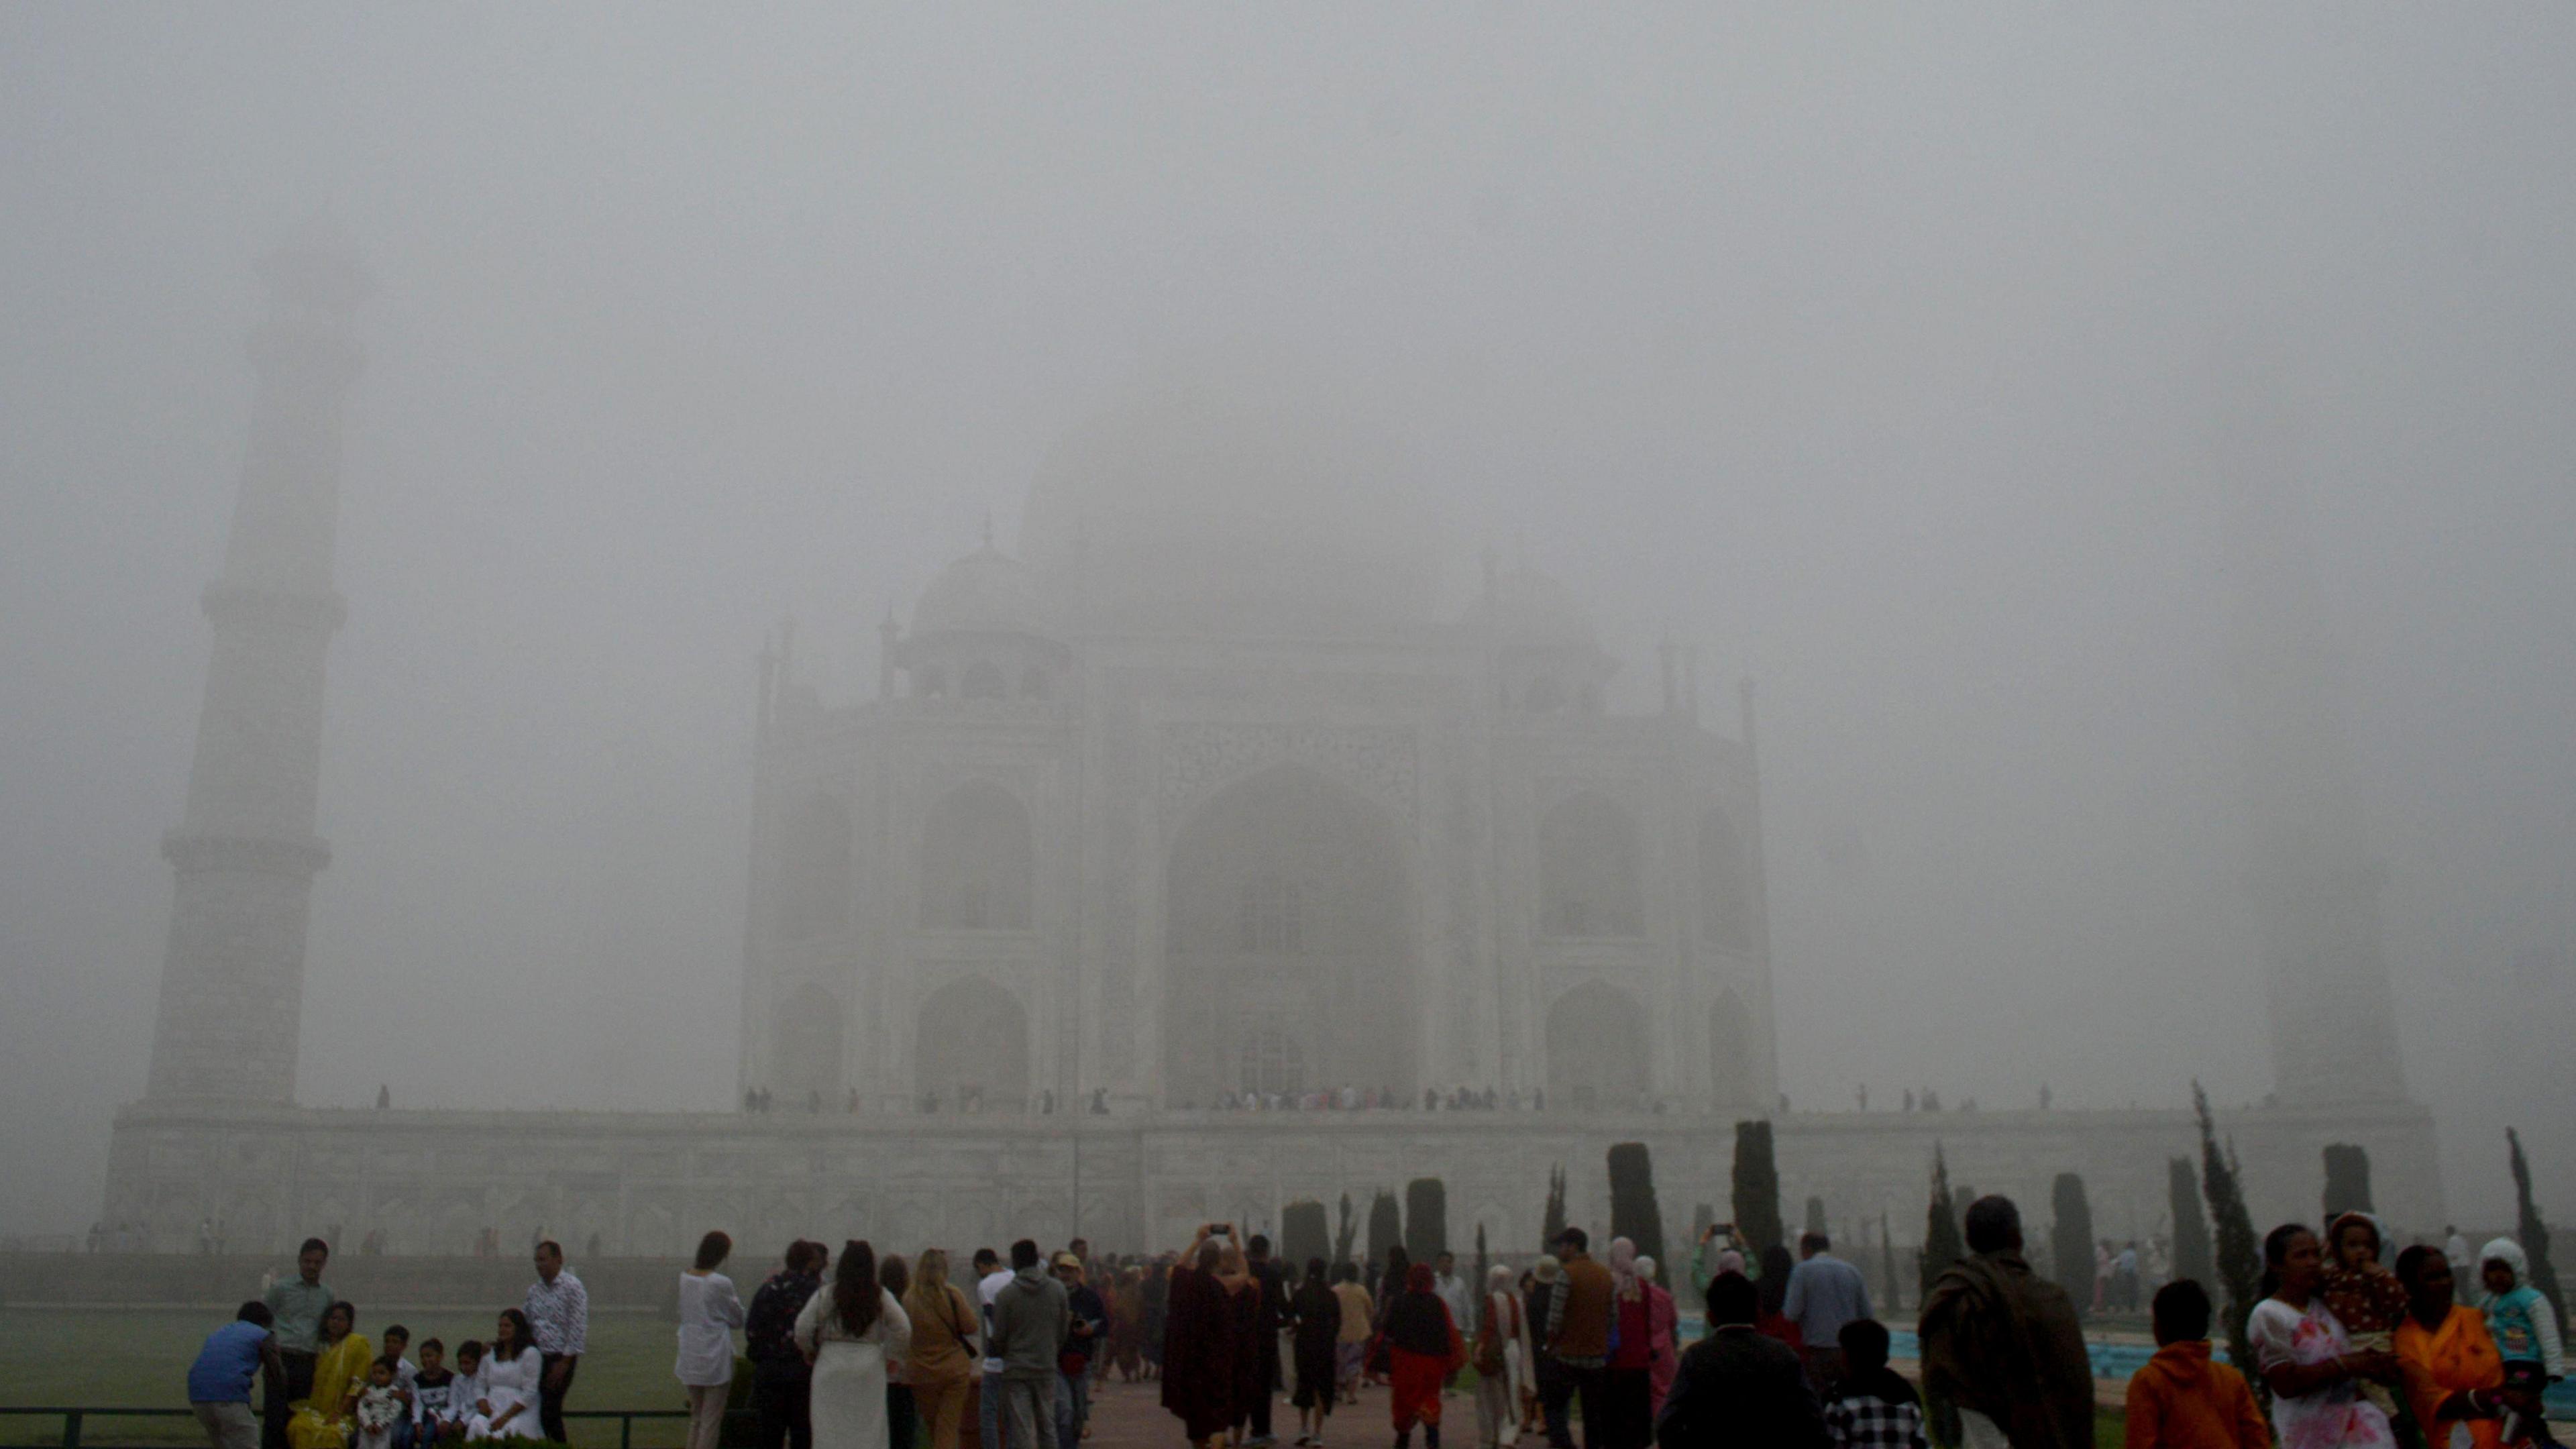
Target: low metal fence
pixel 76 1420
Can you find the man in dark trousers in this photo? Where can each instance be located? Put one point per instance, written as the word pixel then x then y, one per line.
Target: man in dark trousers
pixel 1269 1318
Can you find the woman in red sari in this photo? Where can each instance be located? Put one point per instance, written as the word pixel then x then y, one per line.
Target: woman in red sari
pixel 1423 1349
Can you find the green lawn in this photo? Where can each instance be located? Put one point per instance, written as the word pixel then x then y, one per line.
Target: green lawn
pixel 140 1360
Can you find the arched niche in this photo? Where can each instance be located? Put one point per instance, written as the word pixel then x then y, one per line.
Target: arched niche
pixel 814 872
pixel 1726 882
pixel 1596 1049
pixel 1288 923
pixel 1588 869
pixel 977 861
pixel 805 1052
pixel 972 1050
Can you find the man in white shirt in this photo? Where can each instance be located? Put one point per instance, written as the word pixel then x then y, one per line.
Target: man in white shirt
pixel 991 1277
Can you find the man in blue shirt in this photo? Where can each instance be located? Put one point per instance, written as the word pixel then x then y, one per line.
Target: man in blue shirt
pixel 219 1381
pixel 1824 1294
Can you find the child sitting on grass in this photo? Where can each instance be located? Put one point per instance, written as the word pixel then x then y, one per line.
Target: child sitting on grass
pixel 433 1398
pixel 2182 1398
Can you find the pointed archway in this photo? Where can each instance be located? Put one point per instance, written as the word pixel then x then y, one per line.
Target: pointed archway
pixel 1288 953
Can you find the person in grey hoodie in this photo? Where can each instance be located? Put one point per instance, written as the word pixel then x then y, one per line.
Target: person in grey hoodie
pixel 1031 1317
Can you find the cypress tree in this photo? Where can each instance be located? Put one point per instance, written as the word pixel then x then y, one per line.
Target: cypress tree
pixel 1346 1234
pixel 2530 1231
pixel 1887 1265
pixel 1634 1214
pixel 1426 1219
pixel 2239 1253
pixel 2191 1256
pixel 1757 1189
pixel 1552 1222
pixel 1385 1226
pixel 2070 1235
pixel 1302 1234
pixel 2347 1179
pixel 1942 1244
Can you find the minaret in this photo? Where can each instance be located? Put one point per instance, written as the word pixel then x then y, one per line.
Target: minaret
pixel 232 982
pixel 2313 879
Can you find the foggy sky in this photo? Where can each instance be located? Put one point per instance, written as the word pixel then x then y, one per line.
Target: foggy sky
pixel 1874 349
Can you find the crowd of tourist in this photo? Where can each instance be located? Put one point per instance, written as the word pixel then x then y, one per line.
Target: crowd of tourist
pixel 858 1351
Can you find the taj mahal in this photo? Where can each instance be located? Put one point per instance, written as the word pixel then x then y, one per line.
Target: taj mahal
pixel 1227 783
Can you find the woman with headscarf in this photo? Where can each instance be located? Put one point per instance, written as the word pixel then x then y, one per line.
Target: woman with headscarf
pixel 1502 1353
pixel 1665 1322
pixel 1127 1323
pixel 1199 1344
pixel 2454 1376
pixel 1316 1312
pixel 943 1359
pixel 1423 1348
pixel 849 1330
pixel 1628 1378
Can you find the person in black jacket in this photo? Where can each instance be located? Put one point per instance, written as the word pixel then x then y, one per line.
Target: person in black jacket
pixel 1737 1386
pixel 1270 1314
pixel 780 1378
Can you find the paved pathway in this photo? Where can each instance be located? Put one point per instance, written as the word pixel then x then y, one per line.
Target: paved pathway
pixel 1132 1416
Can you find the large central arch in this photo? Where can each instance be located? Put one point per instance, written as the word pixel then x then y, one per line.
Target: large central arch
pixel 1287 944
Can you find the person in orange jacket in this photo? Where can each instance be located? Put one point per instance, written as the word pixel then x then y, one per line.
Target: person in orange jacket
pixel 2183 1398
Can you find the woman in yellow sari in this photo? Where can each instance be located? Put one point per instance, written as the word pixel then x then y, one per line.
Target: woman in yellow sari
pixel 2454 1380
pixel 339 1372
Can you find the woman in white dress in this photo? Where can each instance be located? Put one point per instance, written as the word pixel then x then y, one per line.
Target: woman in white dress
pixel 848 1332
pixel 510 1374
pixel 710 1310
pixel 2307 1359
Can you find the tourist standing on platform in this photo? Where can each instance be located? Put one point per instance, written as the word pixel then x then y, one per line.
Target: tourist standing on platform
pixel 1316 1310
pixel 508 1383
pixel 1501 1358
pixel 902 1422
pixel 1423 1349
pixel 2305 1356
pixel 1739 1385
pixel 560 1309
pixel 1663 1321
pixel 219 1381
pixel 710 1310
pixel 2454 1376
pixel 295 1308
pixel 1030 1324
pixel 849 1332
pixel 944 1358
pixel 1576 1343
pixel 2004 1344
pixel 781 1379
pixel 1086 1332
pixel 1824 1294
pixel 2181 1398
pixel 1199 1344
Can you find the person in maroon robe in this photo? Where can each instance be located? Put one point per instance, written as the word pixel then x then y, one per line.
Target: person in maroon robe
pixel 1200 1346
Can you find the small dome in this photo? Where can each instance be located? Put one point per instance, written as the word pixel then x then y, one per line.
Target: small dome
pixel 983 593
pixel 1534 611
